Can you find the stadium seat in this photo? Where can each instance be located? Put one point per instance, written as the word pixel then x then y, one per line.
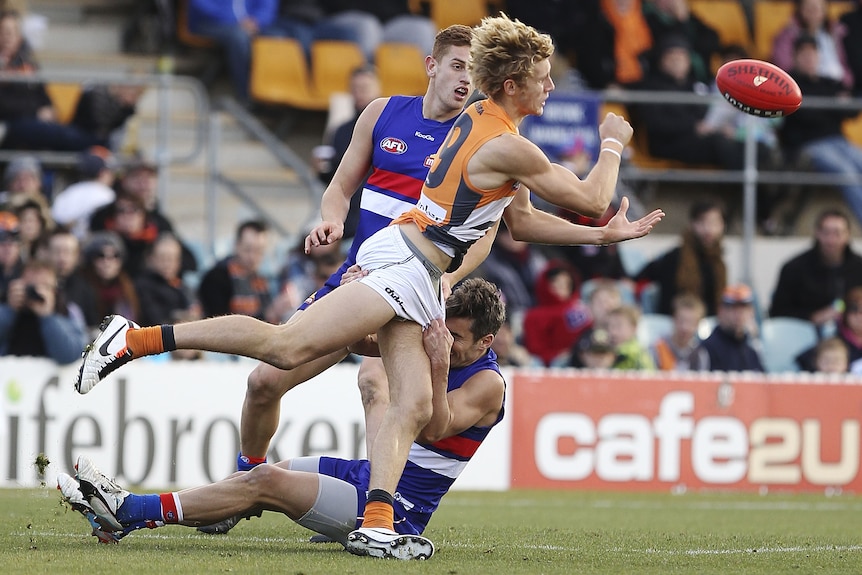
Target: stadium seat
pixel 401 68
pixel 332 62
pixel 853 129
pixel 727 17
pixel 770 16
pixel 64 97
pixel 279 75
pixel 444 13
pixel 838 9
pixel 783 339
pixel 652 326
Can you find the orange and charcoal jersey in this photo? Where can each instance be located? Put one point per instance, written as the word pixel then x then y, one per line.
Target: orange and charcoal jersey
pixel 451 211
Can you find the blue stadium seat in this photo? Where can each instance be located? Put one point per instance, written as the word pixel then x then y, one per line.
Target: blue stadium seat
pixel 783 339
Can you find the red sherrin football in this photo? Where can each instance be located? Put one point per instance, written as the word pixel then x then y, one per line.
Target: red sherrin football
pixel 758 88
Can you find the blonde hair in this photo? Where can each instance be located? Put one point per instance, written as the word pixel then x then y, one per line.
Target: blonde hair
pixel 505 49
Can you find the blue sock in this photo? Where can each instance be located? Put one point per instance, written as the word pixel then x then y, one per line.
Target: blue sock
pixel 140 508
pixel 245 463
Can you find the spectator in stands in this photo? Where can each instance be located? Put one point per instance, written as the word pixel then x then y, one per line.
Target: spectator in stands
pixel 812 284
pixel 129 219
pixel 595 350
pixel 103 110
pixel 163 297
pixel 729 347
pixel 233 25
pixel 513 266
pixel 565 21
pixel 103 269
pixel 34 221
pixel 831 356
pixel 64 253
pixel 623 329
pixel 139 178
pixel 74 206
pixel 234 285
pixel 613 42
pixel 678 132
pixel 379 21
pixel 26 111
pixel 509 351
pixel 559 318
pixel 604 298
pixel 814 135
pixel 22 177
pixel 364 88
pixel 681 351
pixel 302 275
pixel 852 22
pixel 10 252
pixel 36 322
pixel 697 265
pixel 811 19
pixel 669 18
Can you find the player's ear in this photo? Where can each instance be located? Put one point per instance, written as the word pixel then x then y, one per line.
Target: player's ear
pixel 486 341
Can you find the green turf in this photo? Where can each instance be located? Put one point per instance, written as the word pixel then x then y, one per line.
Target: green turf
pixel 519 532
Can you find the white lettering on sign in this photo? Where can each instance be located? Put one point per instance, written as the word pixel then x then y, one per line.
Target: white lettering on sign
pixel 623 447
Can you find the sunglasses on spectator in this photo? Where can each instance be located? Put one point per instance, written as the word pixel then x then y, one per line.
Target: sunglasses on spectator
pixel 854 308
pixel 107 256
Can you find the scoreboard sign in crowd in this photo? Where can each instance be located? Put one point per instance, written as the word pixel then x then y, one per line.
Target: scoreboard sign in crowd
pixel 164 424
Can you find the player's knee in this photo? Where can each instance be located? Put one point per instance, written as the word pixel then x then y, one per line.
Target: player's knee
pixel 264 385
pixel 259 480
pixel 373 391
pixel 415 406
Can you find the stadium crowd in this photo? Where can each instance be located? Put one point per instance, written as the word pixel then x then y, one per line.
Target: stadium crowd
pixel 102 245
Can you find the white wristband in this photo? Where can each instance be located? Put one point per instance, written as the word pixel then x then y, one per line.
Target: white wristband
pixel 614 152
pixel 614 141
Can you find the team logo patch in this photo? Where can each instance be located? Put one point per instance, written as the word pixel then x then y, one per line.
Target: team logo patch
pixel 393 145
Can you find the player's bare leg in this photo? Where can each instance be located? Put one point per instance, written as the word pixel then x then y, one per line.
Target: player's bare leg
pixel 261 408
pixel 343 317
pixel 374 389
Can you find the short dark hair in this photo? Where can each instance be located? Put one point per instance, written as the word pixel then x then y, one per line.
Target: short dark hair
pixel 804 40
pixel 699 208
pixel 480 301
pixel 831 213
pixel 259 226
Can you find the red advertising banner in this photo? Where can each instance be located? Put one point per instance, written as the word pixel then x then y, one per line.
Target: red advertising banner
pixel 671 432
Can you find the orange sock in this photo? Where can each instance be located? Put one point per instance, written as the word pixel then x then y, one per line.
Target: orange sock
pixel 378 514
pixel 145 341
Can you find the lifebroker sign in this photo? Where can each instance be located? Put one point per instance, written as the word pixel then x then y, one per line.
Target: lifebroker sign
pixel 608 431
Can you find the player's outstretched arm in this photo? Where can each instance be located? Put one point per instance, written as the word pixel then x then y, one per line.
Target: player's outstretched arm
pixel 526 223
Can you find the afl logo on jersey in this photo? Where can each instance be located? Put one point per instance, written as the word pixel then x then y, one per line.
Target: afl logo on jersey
pixel 393 145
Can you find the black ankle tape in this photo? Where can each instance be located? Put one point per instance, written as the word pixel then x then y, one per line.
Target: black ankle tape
pixel 168 341
pixel 380 495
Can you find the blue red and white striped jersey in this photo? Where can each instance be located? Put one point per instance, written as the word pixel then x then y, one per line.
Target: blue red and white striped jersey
pixel 404 145
pixel 431 469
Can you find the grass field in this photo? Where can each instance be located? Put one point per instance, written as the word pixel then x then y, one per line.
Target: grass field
pixel 519 532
